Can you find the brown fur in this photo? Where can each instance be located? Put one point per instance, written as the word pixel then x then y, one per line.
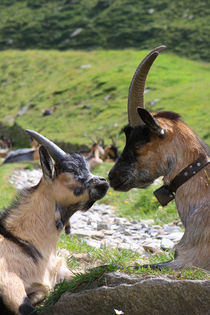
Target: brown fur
pixel 192 198
pixel 180 145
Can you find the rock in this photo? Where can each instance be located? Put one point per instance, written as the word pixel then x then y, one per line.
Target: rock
pixel 176 236
pixel 147 222
pixel 92 234
pixel 107 97
pixel 76 32
pixel 85 66
pixel 101 227
pixel 171 228
pixel 151 11
pixel 147 89
pixel 166 243
pixel 152 246
pixel 47 112
pixel 22 111
pixel 81 256
pixel 137 296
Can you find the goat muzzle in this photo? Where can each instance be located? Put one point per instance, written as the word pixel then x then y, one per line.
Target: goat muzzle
pixel 98 187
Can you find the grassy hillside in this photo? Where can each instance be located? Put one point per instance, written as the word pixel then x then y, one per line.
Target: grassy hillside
pixel 88 91
pixel 62 24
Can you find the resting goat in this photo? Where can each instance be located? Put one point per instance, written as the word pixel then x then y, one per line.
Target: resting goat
pixel 162 144
pixel 29 266
pixel 93 159
pixel 25 154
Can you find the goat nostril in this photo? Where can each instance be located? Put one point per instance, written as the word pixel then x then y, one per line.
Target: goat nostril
pixel 102 187
pixel 102 179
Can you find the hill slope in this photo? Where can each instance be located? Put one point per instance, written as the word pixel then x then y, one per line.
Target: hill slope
pixel 62 24
pixel 88 91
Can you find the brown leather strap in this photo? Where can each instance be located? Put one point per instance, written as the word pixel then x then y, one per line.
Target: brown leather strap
pixel 187 173
pixel 165 193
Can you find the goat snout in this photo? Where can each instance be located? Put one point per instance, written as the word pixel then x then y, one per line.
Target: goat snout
pixel 98 187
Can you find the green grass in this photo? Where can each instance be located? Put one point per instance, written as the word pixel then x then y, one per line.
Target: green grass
pixel 181 25
pixel 137 203
pixel 111 260
pixel 38 80
pixel 8 192
pixel 84 265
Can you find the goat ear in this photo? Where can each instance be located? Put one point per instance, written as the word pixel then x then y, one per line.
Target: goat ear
pixel 46 164
pixel 150 121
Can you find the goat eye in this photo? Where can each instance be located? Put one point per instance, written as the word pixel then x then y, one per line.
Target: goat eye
pixel 78 191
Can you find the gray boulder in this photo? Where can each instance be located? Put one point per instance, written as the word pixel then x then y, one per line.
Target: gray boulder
pixel 136 296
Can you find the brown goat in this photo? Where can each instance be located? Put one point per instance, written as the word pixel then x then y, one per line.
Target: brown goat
pixel 93 159
pixel 162 144
pixel 29 265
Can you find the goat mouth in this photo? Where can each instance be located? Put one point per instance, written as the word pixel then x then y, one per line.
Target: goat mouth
pixel 123 186
pixel 99 191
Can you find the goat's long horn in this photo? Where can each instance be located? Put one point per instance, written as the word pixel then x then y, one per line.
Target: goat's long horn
pixel 55 152
pixel 136 89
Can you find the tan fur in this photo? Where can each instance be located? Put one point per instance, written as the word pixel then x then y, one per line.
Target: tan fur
pixel 94 157
pixel 33 220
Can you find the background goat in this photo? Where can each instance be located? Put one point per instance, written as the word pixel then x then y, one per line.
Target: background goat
pixel 25 154
pixel 29 265
pixel 93 159
pixel 162 144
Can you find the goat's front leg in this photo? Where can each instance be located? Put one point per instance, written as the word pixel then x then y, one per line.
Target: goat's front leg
pixel 63 272
pixel 14 295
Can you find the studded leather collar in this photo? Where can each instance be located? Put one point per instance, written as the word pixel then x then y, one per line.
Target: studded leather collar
pixel 166 193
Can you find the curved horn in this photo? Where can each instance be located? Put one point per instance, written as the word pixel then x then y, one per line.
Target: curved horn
pixel 136 89
pixel 55 152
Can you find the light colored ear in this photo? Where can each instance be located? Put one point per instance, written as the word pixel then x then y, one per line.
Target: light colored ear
pixel 150 121
pixel 46 164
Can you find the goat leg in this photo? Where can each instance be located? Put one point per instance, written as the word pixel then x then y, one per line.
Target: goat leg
pixel 14 295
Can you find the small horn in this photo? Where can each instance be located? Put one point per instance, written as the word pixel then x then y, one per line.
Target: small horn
pixel 55 152
pixel 136 89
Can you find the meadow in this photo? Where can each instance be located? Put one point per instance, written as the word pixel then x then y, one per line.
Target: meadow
pixel 87 93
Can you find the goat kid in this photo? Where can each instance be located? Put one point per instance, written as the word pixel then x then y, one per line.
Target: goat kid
pixel 162 144
pixel 29 266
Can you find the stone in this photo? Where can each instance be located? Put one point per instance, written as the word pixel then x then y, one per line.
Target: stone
pixel 92 234
pixel 137 296
pixel 176 236
pixel 85 66
pixel 101 227
pixel 76 32
pixel 171 228
pixel 166 243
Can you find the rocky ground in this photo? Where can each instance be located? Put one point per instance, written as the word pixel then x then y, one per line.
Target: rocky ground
pixel 101 227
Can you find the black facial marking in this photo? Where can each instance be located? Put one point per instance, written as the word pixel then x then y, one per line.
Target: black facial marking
pixel 135 139
pixel 123 176
pixel 74 164
pixel 28 248
pixel 26 308
pixel 78 191
pixel 67 229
